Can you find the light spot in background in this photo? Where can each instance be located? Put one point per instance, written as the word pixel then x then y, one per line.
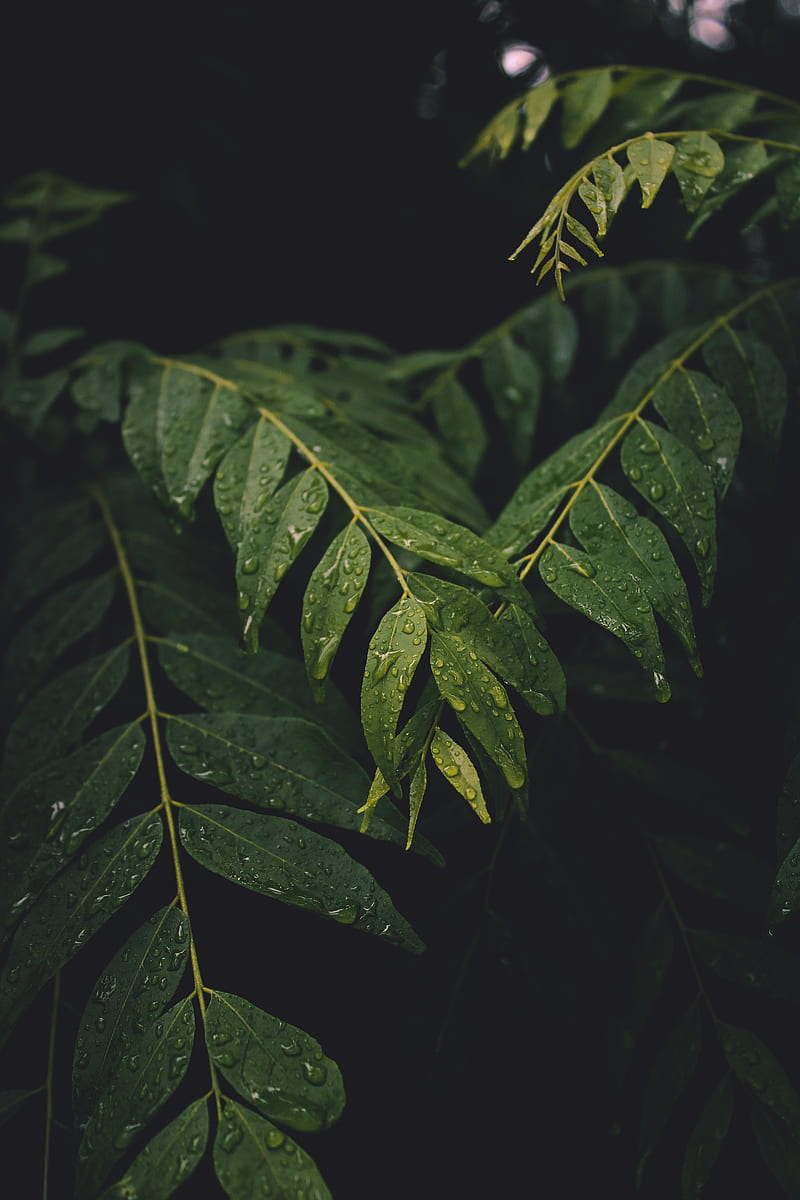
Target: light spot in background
pixel 518 58
pixel 490 11
pixel 709 23
pixel 790 7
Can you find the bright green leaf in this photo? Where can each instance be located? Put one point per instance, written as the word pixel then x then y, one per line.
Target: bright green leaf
pixel 697 163
pixel 650 160
pixel 583 102
pixel 333 592
pixel 246 478
pixel 459 771
pixel 537 105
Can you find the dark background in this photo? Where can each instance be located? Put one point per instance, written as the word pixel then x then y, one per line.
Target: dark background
pixel 297 162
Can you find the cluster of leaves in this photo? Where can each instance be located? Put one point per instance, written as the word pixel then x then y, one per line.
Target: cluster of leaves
pixel 297 437
pixel 699 141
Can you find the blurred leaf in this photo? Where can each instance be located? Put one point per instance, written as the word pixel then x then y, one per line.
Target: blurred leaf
pixel 706 1139
pixel 612 312
pixel 757 1066
pixel 460 426
pixel 48 340
pixel 750 962
pixel 514 381
pixel 754 378
pixel 718 869
pixel 583 102
pixel 779 1148
pixel 672 1070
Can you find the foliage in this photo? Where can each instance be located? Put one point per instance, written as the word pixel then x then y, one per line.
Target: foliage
pixel 127 695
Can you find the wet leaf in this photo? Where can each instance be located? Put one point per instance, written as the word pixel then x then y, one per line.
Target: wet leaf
pixel 279 1069
pixel 757 1066
pixel 333 592
pixel 703 416
pixel 672 1070
pixel 460 426
pixel 166 1161
pixel 132 992
pixel 246 478
pixel 550 329
pixel 513 380
pixel 248 1148
pixel 616 536
pixel 480 702
pixel 650 160
pixel 612 311
pixel 610 596
pixel 418 784
pixel 394 652
pixel 74 906
pixel 673 480
pixel 697 163
pixel 742 163
pixel 754 378
pixel 706 1139
pixel 752 963
pixel 460 772
pixel 146 1079
pixel 281 859
pixel 269 548
pixel 718 869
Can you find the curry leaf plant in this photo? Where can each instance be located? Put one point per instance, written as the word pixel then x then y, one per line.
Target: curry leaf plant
pixel 238 641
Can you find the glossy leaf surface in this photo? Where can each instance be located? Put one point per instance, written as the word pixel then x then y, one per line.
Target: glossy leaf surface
pixel 331 597
pixel 168 1160
pixel 247 1148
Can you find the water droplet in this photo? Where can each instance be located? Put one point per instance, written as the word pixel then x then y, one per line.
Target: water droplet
pixel 315 1073
pixel 408 627
pixel 244 601
pixel 635 474
pixel 451 770
pixel 457 703
pixel 250 566
pixel 656 490
pixel 701 546
pixel 704 441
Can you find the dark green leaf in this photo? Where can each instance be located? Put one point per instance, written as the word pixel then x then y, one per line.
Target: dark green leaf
pixel 671 478
pixel 70 911
pixel 615 535
pixel 481 703
pixel 789 809
pixel 286 861
pixel 334 590
pixel 55 809
pixel 248 1148
pixel 514 382
pixel 52 548
pixel 702 415
pixel 268 549
pixel 664 299
pixel 218 676
pixel 41 267
pixel 742 163
pixel 754 378
pixel 718 869
pixel 705 1141
pixel 650 369
pixel 639 105
pixel 538 675
pixel 583 102
pixel 672 1070
pixel 750 962
pixel 785 898
pixel 612 598
pixel 97 390
pixel 723 110
pixel 133 990
pixel 57 715
pixel 11 1102
pixel 757 1066
pixel 650 160
pixel 460 426
pixel 28 401
pixel 697 163
pixel 653 960
pixel 537 106
pixel 246 478
pixel 140 432
pixel 146 1079
pixel 612 312
pixel 168 1160
pixel 787 186
pixel 550 329
pixel 48 340
pixel 779 1148
pixel 539 494
pixel 392 657
pixel 279 1069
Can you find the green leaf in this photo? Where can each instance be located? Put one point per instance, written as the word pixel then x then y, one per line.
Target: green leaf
pixel 785 897
pixel 757 1066
pixel 722 110
pixel 610 182
pixel 460 426
pixel 52 547
pixel 612 598
pixel 671 478
pixel 218 676
pixel 697 163
pixel 75 905
pixel 269 548
pixel 754 378
pixel 654 957
pixel 333 592
pixel 648 371
pixel 615 535
pixel 583 102
pixel 750 962
pixel 246 478
pixel 168 1160
pixel 443 542
pixel 742 163
pixel 779 1148
pixel 664 299
pixel 636 109
pixel 279 763
pixel 57 715
pixel 28 401
pixel 41 267
pixel 276 1067
pixel 595 201
pixel 702 415
pixel 394 652
pixel 56 808
pixel 786 187
pixel 480 702
pixel 48 340
pixel 281 859
pixel 12 1101
pixel 650 159
pixel 147 1077
pixel 550 329
pixel 514 382
pixel 417 786
pixel 63 619
pixel 459 771
pixel 537 675
pixel 97 391
pixel 718 869
pixel 248 1148
pixel 788 830
pixel 541 491
pixel 41 189
pixel 536 109
pixel 705 1141
pixel 139 432
pixel 135 987
pixel 672 1070
pixel 612 311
